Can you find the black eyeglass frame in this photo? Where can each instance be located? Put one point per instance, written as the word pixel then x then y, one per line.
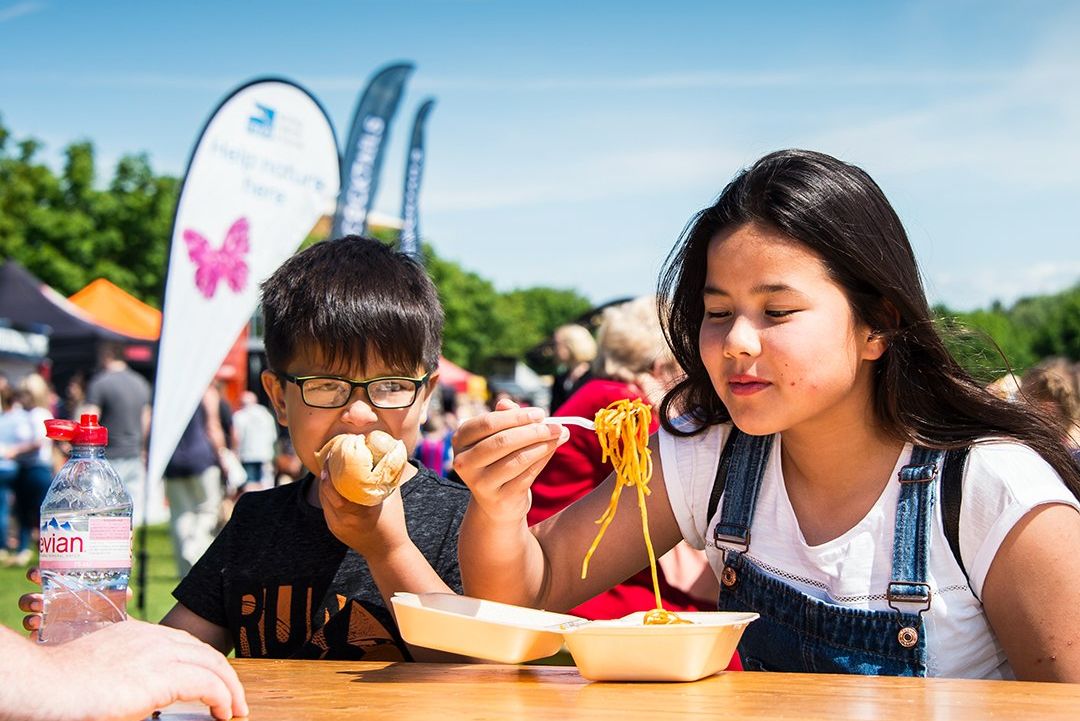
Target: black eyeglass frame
pixel 300 380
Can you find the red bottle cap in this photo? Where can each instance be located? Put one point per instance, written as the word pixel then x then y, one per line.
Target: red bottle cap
pixel 85 432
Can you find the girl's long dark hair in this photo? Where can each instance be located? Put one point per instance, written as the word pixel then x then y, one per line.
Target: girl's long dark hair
pixel 921 394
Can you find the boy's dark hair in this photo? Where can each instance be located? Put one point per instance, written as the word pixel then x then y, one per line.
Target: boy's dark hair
pixel 921 394
pixel 351 297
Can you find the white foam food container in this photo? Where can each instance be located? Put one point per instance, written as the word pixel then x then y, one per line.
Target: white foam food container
pixel 628 650
pixel 621 650
pixel 478 628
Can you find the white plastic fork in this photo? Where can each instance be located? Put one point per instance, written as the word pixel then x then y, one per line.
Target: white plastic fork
pixel 571 421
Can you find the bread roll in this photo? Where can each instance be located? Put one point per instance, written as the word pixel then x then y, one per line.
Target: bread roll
pixel 364 469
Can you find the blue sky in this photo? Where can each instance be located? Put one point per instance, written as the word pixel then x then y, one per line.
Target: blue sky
pixel 572 141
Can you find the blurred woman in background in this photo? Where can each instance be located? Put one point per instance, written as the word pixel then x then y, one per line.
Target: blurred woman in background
pixel 35 461
pixel 12 434
pixel 575 351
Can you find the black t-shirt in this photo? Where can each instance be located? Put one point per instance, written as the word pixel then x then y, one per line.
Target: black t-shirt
pixel 285 587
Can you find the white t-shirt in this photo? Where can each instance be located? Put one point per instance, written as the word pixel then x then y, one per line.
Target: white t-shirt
pixel 1002 482
pixel 256 432
pixel 38 416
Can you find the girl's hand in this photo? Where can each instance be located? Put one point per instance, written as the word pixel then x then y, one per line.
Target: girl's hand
pixel 499 454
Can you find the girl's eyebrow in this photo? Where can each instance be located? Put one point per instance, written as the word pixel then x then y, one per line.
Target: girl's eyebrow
pixel 761 289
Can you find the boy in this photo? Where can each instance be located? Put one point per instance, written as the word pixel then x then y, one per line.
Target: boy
pixel 299 571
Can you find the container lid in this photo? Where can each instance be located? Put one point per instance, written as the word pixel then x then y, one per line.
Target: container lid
pixel 86 432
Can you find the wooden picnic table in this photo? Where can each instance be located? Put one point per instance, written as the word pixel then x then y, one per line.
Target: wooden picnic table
pixel 353 691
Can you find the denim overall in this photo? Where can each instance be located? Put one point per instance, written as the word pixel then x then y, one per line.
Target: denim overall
pixel 799 633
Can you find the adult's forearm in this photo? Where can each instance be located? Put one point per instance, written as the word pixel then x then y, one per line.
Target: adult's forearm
pixel 32 689
pixel 501 562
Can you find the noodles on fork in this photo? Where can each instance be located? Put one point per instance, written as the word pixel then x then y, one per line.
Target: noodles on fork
pixel 623 430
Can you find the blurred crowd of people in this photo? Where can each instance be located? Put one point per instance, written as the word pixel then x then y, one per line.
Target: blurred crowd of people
pixel 226 451
pixel 26 463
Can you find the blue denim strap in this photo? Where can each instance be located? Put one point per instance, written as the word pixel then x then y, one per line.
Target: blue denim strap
pixel 745 471
pixel 911 541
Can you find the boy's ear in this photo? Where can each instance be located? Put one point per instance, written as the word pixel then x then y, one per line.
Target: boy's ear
pixel 429 388
pixel 275 389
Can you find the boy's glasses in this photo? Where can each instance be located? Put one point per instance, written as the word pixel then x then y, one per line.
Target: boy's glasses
pixel 333 392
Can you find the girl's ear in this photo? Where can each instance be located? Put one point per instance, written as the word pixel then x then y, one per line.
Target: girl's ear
pixel 275 389
pixel 876 344
pixel 877 339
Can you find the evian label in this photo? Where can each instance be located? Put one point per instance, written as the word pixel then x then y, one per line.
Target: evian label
pixel 105 544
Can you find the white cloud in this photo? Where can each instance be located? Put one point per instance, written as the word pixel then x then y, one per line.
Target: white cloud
pixel 583 179
pixel 19 10
pixel 123 81
pixel 821 77
pixel 1020 129
pixel 978 285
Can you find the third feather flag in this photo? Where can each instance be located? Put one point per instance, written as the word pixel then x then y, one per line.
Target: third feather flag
pixel 363 150
pixel 410 199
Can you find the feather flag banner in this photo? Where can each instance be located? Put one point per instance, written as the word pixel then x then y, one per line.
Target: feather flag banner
pixel 364 148
pixel 264 170
pixel 414 170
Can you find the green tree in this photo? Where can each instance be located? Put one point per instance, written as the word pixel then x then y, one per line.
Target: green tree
pixel 986 343
pixel 1054 323
pixel 1032 329
pixel 68 232
pixel 474 323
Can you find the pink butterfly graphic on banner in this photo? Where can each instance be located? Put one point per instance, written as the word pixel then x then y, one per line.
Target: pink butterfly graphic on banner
pixel 212 266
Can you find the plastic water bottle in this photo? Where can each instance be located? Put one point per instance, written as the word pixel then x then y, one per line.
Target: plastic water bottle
pixel 85 539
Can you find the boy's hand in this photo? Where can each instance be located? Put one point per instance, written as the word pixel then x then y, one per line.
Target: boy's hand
pixel 32 604
pixel 499 454
pixel 367 530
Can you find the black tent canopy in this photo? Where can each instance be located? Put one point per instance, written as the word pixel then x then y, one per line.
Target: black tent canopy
pixel 73 338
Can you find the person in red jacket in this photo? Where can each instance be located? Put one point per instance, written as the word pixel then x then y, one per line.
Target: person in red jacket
pixel 633 361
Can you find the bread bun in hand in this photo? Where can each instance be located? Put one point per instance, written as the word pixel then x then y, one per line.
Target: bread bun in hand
pixel 364 469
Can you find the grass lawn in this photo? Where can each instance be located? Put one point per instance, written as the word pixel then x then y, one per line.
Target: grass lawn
pixel 161 580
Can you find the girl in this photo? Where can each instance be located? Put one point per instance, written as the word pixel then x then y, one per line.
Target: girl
pixel 809 459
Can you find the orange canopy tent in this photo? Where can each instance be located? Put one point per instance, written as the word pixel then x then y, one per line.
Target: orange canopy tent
pixel 113 308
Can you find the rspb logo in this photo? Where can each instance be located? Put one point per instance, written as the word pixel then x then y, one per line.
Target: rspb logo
pixel 261 122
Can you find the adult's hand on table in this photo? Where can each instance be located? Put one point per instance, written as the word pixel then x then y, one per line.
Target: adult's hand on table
pixel 129 669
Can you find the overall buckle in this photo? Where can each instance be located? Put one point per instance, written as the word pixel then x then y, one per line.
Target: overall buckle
pixel 740 542
pixel 895 593
pixel 920 473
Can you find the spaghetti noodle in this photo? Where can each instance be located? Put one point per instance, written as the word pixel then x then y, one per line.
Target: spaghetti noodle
pixel 623 430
